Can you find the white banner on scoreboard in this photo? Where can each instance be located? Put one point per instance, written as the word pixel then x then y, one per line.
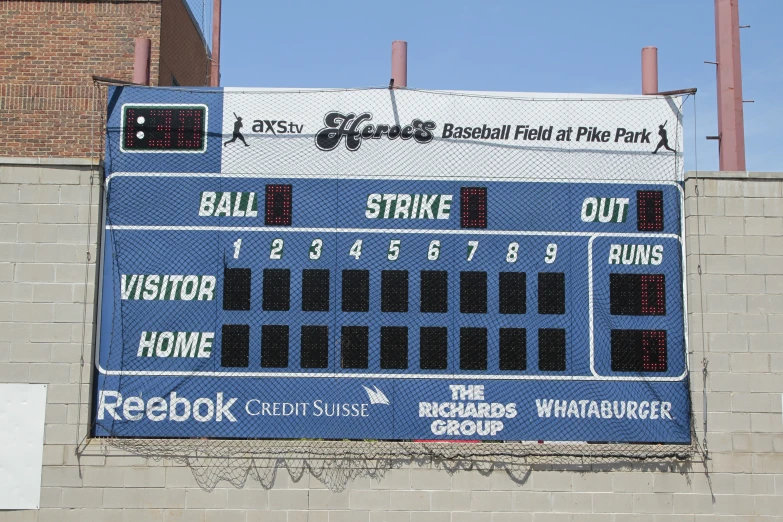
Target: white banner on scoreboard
pixel 437 134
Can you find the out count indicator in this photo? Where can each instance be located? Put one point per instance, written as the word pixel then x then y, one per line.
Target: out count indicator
pixel 148 128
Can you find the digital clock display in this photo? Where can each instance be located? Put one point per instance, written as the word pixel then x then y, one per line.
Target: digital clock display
pixel 149 128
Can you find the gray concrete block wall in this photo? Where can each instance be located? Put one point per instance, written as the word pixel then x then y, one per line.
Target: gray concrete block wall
pixel 48 227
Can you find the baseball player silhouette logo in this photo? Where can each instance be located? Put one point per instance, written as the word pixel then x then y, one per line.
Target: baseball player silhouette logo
pixel 237 133
pixel 664 139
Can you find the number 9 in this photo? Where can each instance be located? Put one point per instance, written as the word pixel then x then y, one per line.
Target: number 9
pixel 551 253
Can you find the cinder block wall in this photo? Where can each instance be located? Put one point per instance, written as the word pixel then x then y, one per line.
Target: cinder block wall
pixel 48 226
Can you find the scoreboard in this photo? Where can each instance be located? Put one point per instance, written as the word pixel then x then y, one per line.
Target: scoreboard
pixel 257 283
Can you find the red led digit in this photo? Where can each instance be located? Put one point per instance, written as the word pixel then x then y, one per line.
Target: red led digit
pixel 278 205
pixel 637 294
pixel 639 351
pixel 649 210
pixel 653 296
pixel 473 207
pixel 189 130
pixel 130 130
pixel 653 351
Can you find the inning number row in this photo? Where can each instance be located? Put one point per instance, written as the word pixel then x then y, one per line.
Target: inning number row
pixel 277 249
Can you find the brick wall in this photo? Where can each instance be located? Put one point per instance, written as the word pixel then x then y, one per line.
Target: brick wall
pixel 183 53
pixel 51 49
pixel 66 42
pixel 45 279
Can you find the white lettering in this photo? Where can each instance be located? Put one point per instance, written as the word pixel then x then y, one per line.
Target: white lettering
pixel 224 206
pixel 207 289
pixel 444 206
pixel 207 203
pixel 189 292
pixel 186 344
pixel 147 343
pixel 197 410
pixel 657 255
pixel 205 346
pixel 403 206
pixel 614 254
pixel 373 206
pixel 151 287
pixel 589 209
pixel 168 338
pixel 104 406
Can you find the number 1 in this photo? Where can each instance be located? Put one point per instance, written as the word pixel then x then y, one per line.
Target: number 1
pixel 237 246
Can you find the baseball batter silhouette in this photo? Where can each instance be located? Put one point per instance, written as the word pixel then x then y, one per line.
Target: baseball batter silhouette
pixel 664 139
pixel 237 133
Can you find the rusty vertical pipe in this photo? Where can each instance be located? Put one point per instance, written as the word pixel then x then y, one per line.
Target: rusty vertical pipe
pixel 649 70
pixel 214 69
pixel 731 125
pixel 141 61
pixel 399 60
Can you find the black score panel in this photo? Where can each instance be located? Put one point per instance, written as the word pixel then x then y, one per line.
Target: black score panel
pixel 551 349
pixel 354 346
pixel 394 347
pixel 639 351
pixel 473 207
pixel 394 291
pixel 433 348
pixel 434 291
pixel 236 288
pixel 513 293
pixel 551 293
pixel 473 292
pixel 356 290
pixel 315 290
pixel 637 294
pixel 277 289
pixel 315 347
pixel 473 348
pixel 274 346
pixel 513 349
pixel 162 128
pixel 649 210
pixel 235 346
pixel 278 205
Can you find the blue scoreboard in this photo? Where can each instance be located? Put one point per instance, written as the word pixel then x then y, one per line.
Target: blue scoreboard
pixel 397 269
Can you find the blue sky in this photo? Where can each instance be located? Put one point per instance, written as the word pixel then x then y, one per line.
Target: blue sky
pixel 591 46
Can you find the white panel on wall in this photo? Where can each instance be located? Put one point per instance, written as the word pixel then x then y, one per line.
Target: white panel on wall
pixel 22 412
